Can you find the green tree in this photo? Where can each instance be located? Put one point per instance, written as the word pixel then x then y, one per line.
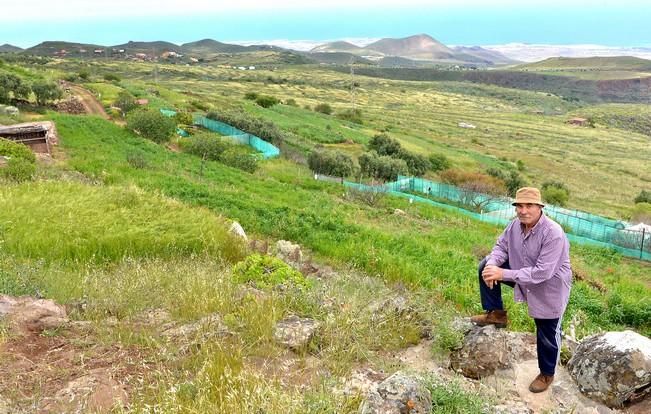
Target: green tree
pixel 384 145
pixel 46 92
pixel 266 101
pixel 151 125
pixel 332 163
pixel 126 102
pixel 643 197
pixel 555 192
pixel 439 162
pixel 417 164
pixel 12 86
pixel 383 167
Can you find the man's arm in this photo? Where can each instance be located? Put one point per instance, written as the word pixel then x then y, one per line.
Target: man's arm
pixel 550 254
pixel 500 253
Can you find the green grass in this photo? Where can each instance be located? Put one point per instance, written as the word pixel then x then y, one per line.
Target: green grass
pixel 430 248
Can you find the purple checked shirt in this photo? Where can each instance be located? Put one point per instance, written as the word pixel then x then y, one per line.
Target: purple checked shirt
pixel 540 266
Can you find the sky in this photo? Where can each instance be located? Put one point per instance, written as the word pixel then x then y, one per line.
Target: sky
pixel 305 23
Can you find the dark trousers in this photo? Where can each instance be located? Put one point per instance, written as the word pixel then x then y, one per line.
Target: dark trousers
pixel 548 331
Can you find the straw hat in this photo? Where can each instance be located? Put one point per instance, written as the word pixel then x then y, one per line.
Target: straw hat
pixel 528 195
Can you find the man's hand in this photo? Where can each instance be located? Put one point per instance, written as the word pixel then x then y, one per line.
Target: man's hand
pixel 491 275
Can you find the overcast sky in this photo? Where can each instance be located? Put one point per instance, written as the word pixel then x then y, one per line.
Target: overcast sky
pixel 25 23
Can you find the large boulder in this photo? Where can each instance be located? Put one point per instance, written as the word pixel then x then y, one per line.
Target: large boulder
pixel 398 394
pixel 237 231
pixel 289 252
pixel 30 315
pixel 613 367
pixel 487 349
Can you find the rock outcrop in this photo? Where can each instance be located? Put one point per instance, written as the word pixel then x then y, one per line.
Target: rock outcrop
pixel 26 315
pixel 398 394
pixel 294 332
pixel 614 367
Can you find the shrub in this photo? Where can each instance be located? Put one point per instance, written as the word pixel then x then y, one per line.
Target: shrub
pixel 439 162
pixel 476 189
pixel 183 118
pixel 323 108
pixel 12 149
pixel 416 163
pixel 252 96
pixel 266 101
pixel 383 168
pixel 267 272
pixel 84 74
pixel 126 102
pixel 151 125
pixel 46 92
pixel 332 163
pixel 351 115
pixel 19 170
pixel 111 77
pixel 12 84
pixel 262 128
pixel 200 105
pixel 291 102
pixel 555 192
pixel 384 145
pixel 643 197
pixel 206 145
pixel 239 158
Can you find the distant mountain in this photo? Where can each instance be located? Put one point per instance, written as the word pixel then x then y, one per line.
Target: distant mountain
pixel 338 58
pixel 7 48
pixel 207 46
pixel 483 55
pixel 595 63
pixel 418 47
pixel 51 48
pixel 339 46
pixel 535 52
pixel 151 48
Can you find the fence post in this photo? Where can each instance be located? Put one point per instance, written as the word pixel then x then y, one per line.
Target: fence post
pixel 642 243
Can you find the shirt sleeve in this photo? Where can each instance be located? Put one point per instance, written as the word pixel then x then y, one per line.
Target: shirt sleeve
pixel 500 253
pixel 543 270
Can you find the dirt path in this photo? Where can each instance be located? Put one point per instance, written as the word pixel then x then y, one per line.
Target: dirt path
pixel 91 104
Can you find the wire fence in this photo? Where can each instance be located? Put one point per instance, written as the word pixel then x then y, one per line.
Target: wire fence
pixel 233 134
pixel 581 227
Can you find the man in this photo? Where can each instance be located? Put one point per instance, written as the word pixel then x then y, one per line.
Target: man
pixel 532 256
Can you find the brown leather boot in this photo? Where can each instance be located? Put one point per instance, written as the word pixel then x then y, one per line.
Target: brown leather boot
pixel 541 383
pixel 493 317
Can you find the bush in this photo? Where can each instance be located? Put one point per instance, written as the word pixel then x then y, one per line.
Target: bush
pixel 206 145
pixel 12 149
pixel 19 170
pixel 384 145
pixel 291 102
pixel 251 96
pixel 351 115
pixel 11 84
pixel 183 118
pixel 268 272
pixel 84 74
pixel 126 102
pixel 266 101
pixel 200 105
pixel 332 163
pixel 323 108
pixel 643 197
pixel 555 192
pixel 111 77
pixel 239 158
pixel 439 162
pixel 264 129
pixel 151 125
pixel 383 168
pixel 46 92
pixel 417 164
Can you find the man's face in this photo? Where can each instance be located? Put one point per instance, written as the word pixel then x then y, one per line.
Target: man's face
pixel 528 213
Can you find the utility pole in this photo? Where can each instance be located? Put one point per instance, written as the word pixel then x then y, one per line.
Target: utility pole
pixel 155 67
pixel 352 81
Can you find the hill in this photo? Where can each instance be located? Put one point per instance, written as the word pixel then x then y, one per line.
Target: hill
pixel 207 47
pixel 338 58
pixel 7 48
pixel 483 55
pixel 589 63
pixel 418 47
pixel 151 48
pixel 51 48
pixel 339 46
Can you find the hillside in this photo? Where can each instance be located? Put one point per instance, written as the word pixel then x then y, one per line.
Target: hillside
pixel 156 47
pixel 7 48
pixel 49 48
pixel 162 309
pixel 419 47
pixel 618 63
pixel 339 46
pixel 483 55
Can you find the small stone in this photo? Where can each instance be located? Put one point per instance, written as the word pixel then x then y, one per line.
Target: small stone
pixel 237 230
pixel 294 332
pixel 398 394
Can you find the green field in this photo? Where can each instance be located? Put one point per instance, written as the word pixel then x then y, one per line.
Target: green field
pixel 126 237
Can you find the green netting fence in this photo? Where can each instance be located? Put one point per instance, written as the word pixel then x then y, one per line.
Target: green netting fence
pixel 268 150
pixel 581 227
